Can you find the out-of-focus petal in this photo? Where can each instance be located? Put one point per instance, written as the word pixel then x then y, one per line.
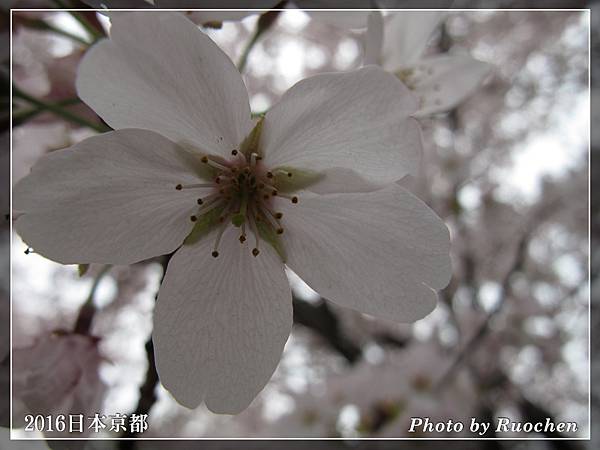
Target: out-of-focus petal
pixel 109 199
pixel 374 38
pixel 158 71
pixel 340 19
pixel 443 82
pixel 59 375
pixel 406 36
pixel 382 253
pixel 357 121
pixel 220 324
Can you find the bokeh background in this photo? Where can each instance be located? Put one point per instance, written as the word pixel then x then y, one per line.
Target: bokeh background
pixel 507 170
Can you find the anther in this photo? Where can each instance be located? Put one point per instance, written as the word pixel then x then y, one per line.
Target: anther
pixel 234 152
pixel 204 159
pixel 243 235
pixel 285 172
pixel 269 175
pixel 278 215
pixel 193 218
pixel 215 254
pixel 255 252
pixel 179 187
pixel 279 231
pixel 200 201
pixel 293 199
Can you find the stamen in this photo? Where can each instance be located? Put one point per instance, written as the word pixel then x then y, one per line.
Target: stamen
pixel 210 207
pixel 285 172
pixel 215 252
pixel 214 164
pixel 254 228
pixel 267 186
pixel 208 199
pixel 270 216
pixel 240 157
pixel 238 219
pixel 226 213
pixel 243 235
pixel 293 199
pixel 223 178
pixel 179 187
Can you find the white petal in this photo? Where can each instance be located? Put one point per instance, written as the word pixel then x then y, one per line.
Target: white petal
pixel 443 82
pixel 220 324
pixel 406 36
pixel 158 71
pixel 342 180
pixel 381 253
pixel 357 120
pixel 109 199
pixel 374 38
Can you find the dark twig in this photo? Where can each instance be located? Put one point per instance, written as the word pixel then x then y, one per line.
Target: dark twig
pixel 147 390
pixel 86 313
pixel 319 318
pixel 476 340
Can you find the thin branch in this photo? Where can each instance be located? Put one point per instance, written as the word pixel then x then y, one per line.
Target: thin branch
pixel 83 21
pixel 476 340
pixel 25 114
pixel 39 24
pixel 57 110
pixel 265 21
pixel 86 313
pixel 147 390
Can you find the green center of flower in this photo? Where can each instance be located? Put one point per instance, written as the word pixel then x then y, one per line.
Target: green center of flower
pixel 242 192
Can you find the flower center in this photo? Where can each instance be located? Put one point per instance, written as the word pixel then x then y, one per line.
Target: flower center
pixel 241 193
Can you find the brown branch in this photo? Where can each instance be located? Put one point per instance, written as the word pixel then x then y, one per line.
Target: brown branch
pixel 319 318
pixel 476 340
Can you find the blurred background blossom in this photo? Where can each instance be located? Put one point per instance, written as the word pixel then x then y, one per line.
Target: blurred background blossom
pixel 507 169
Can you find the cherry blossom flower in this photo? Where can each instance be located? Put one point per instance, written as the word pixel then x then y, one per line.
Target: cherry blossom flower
pixel 214 13
pixel 397 42
pixel 58 374
pixel 311 186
